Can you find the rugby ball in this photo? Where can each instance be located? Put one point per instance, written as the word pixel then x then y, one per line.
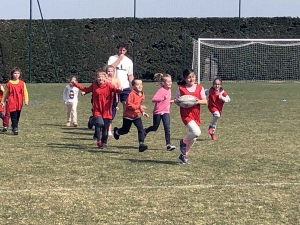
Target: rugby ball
pixel 186 101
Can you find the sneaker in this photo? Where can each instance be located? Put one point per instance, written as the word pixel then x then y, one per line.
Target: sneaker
pixel 15 131
pixel 4 129
pixel 182 147
pixel 104 146
pixel 213 137
pixel 99 144
pixel 182 159
pixel 116 133
pixel 90 125
pixel 110 134
pixel 170 147
pixel 210 130
pixel 142 147
pixel 68 124
pixel 75 124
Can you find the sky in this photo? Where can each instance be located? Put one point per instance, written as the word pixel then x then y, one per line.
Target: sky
pixel 78 9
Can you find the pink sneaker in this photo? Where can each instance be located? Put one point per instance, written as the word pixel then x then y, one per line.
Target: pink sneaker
pixel 211 130
pixel 99 144
pixel 68 124
pixel 213 137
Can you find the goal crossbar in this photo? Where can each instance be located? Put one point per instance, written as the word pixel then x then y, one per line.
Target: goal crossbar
pixel 246 59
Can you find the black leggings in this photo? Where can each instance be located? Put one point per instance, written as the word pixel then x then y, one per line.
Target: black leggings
pixel 156 122
pixel 139 125
pixel 15 116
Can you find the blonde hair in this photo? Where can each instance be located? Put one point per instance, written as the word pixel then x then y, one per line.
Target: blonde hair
pixel 101 71
pixel 161 77
pixel 72 76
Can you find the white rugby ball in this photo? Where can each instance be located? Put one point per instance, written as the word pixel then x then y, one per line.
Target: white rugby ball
pixel 186 101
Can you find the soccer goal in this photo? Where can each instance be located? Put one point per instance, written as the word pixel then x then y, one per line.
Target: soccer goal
pixel 247 59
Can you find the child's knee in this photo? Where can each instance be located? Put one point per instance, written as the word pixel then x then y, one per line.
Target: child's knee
pixel 197 133
pixel 216 114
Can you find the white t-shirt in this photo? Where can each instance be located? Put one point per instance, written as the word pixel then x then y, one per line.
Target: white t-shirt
pixel 70 94
pixel 122 70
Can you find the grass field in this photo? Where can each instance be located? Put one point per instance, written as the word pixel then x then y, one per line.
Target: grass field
pixel 52 174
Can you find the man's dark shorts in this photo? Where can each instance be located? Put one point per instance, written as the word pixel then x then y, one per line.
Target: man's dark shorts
pixel 124 94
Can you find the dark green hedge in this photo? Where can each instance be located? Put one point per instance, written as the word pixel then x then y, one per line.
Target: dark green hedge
pixel 162 44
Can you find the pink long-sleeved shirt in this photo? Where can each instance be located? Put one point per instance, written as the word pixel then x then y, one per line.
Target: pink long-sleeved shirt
pixel 162 100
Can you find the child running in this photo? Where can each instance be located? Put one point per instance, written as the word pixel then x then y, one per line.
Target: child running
pixel 70 97
pixel 110 71
pixel 15 95
pixel 102 99
pixel 161 111
pixel 132 114
pixel 4 115
pixel 1 107
pixel 190 116
pixel 216 99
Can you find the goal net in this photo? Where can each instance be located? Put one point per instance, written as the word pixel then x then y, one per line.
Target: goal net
pixel 247 59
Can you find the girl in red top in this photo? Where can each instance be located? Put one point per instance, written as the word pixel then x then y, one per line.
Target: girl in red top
pixel 102 100
pixel 132 114
pixel 16 94
pixel 216 99
pixel 190 116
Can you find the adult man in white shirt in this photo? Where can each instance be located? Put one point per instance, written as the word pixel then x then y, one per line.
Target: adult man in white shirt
pixel 124 70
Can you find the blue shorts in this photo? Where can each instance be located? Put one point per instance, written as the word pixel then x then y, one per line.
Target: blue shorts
pixel 124 94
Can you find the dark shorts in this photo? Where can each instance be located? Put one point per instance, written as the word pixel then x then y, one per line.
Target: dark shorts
pixel 124 94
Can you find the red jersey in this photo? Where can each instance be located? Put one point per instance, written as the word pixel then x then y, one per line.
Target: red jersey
pixel 133 103
pixel 1 95
pixel 214 102
pixel 193 113
pixel 15 97
pixel 102 97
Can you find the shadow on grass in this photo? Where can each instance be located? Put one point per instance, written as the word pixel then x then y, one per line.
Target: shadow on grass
pixel 74 132
pixel 52 124
pixel 199 139
pixel 64 127
pixel 151 161
pixel 76 128
pixel 67 146
pixel 105 151
pixel 82 139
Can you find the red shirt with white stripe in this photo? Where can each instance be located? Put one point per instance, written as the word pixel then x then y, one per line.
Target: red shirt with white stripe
pixel 192 113
pixel 215 103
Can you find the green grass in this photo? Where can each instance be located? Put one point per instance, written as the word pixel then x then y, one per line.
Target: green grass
pixel 52 174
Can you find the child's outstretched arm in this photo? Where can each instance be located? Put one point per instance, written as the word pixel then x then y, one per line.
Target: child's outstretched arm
pixel 82 88
pixel 26 98
pixel 224 96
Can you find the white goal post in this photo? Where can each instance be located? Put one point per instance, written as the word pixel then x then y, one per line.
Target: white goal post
pixel 246 59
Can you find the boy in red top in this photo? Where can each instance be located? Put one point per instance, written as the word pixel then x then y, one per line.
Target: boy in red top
pixel 216 99
pixel 190 116
pixel 102 100
pixel 132 114
pixel 16 94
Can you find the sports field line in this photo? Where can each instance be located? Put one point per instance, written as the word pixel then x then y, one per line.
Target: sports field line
pixel 195 186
